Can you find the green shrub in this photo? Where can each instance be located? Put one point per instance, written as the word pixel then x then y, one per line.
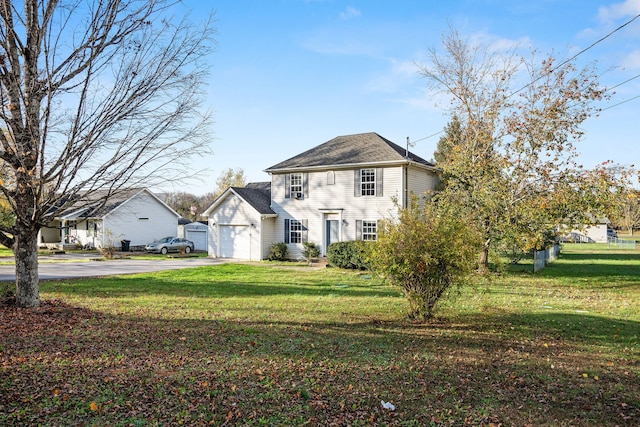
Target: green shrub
pixel 311 250
pixel 426 251
pixel 7 290
pixel 351 254
pixel 278 252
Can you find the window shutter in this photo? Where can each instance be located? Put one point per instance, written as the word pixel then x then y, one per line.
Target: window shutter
pixel 287 186
pixel 286 231
pixel 305 185
pixel 305 230
pixel 358 229
pixel 379 182
pixel 357 190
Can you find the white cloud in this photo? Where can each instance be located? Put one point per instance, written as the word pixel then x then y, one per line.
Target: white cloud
pixel 619 10
pixel 397 75
pixel 350 13
pixel 499 44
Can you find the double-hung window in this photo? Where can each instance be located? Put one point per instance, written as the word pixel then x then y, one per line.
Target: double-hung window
pixel 368 182
pixel 369 230
pixel 295 185
pixel 295 231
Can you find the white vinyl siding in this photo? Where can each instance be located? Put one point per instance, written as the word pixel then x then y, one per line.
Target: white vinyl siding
pixel 421 181
pixel 337 200
pixel 123 223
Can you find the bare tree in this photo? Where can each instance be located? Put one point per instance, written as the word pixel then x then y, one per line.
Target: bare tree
pixel 94 94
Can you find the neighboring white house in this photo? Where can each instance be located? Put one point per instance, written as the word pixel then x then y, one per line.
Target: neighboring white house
pixel 135 215
pixel 337 191
pixel 592 233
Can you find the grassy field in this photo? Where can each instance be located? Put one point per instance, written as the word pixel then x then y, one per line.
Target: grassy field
pixel 260 344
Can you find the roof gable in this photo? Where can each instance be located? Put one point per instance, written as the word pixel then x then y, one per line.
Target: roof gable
pixel 357 149
pixel 93 204
pixel 256 194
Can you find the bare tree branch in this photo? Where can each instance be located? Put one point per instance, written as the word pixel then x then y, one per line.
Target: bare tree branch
pixel 102 94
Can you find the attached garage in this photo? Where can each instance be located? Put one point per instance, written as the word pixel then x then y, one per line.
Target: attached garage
pixel 241 223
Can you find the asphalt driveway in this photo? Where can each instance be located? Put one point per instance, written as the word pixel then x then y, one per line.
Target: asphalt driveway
pixel 56 267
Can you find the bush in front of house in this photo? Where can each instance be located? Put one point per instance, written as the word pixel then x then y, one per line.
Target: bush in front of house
pixel 311 250
pixel 350 254
pixel 278 252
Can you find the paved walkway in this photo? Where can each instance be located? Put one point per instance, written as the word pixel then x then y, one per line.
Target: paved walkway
pixel 87 265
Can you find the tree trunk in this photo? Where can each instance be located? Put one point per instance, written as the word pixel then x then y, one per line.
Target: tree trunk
pixel 26 254
pixel 483 258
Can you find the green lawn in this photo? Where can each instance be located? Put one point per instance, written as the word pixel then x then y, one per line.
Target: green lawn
pixel 262 344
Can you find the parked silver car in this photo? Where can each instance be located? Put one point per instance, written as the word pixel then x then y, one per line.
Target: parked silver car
pixel 170 244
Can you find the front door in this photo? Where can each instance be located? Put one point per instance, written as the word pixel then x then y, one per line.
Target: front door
pixel 333 232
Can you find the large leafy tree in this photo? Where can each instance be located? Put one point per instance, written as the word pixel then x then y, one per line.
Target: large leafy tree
pixel 513 163
pixel 627 210
pixel 94 94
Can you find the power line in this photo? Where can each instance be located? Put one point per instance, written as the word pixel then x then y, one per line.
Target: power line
pixel 624 82
pixel 567 61
pixel 620 103
pixel 427 137
pixel 601 39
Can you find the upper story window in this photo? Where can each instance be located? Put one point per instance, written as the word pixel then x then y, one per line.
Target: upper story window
pixel 295 185
pixel 368 182
pixel 369 230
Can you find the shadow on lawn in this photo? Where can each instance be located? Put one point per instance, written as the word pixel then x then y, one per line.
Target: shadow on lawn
pixel 440 364
pixel 122 286
pixel 624 267
pixel 358 340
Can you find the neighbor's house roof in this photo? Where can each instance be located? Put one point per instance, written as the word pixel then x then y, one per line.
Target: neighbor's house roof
pixel 256 194
pixel 93 205
pixel 351 150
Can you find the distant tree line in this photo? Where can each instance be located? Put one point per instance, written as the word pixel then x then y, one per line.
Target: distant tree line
pixel 190 206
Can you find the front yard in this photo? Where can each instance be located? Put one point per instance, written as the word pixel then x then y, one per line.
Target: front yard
pixel 260 344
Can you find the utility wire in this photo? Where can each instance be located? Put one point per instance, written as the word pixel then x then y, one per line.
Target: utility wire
pixel 624 82
pixel 620 103
pixel 601 39
pixel 567 61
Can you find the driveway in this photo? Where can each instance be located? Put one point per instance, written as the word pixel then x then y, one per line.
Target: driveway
pixel 72 266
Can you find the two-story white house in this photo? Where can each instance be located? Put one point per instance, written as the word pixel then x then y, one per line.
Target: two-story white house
pixel 337 191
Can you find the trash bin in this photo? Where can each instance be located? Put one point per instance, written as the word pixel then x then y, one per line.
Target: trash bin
pixel 125 245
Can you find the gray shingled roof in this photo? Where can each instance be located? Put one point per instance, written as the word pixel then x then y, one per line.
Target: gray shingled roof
pixel 258 195
pixel 362 148
pixel 96 203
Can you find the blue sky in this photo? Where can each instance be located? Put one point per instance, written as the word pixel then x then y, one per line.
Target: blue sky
pixel 288 75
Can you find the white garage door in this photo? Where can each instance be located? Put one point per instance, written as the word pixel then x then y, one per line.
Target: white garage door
pixel 198 237
pixel 234 241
